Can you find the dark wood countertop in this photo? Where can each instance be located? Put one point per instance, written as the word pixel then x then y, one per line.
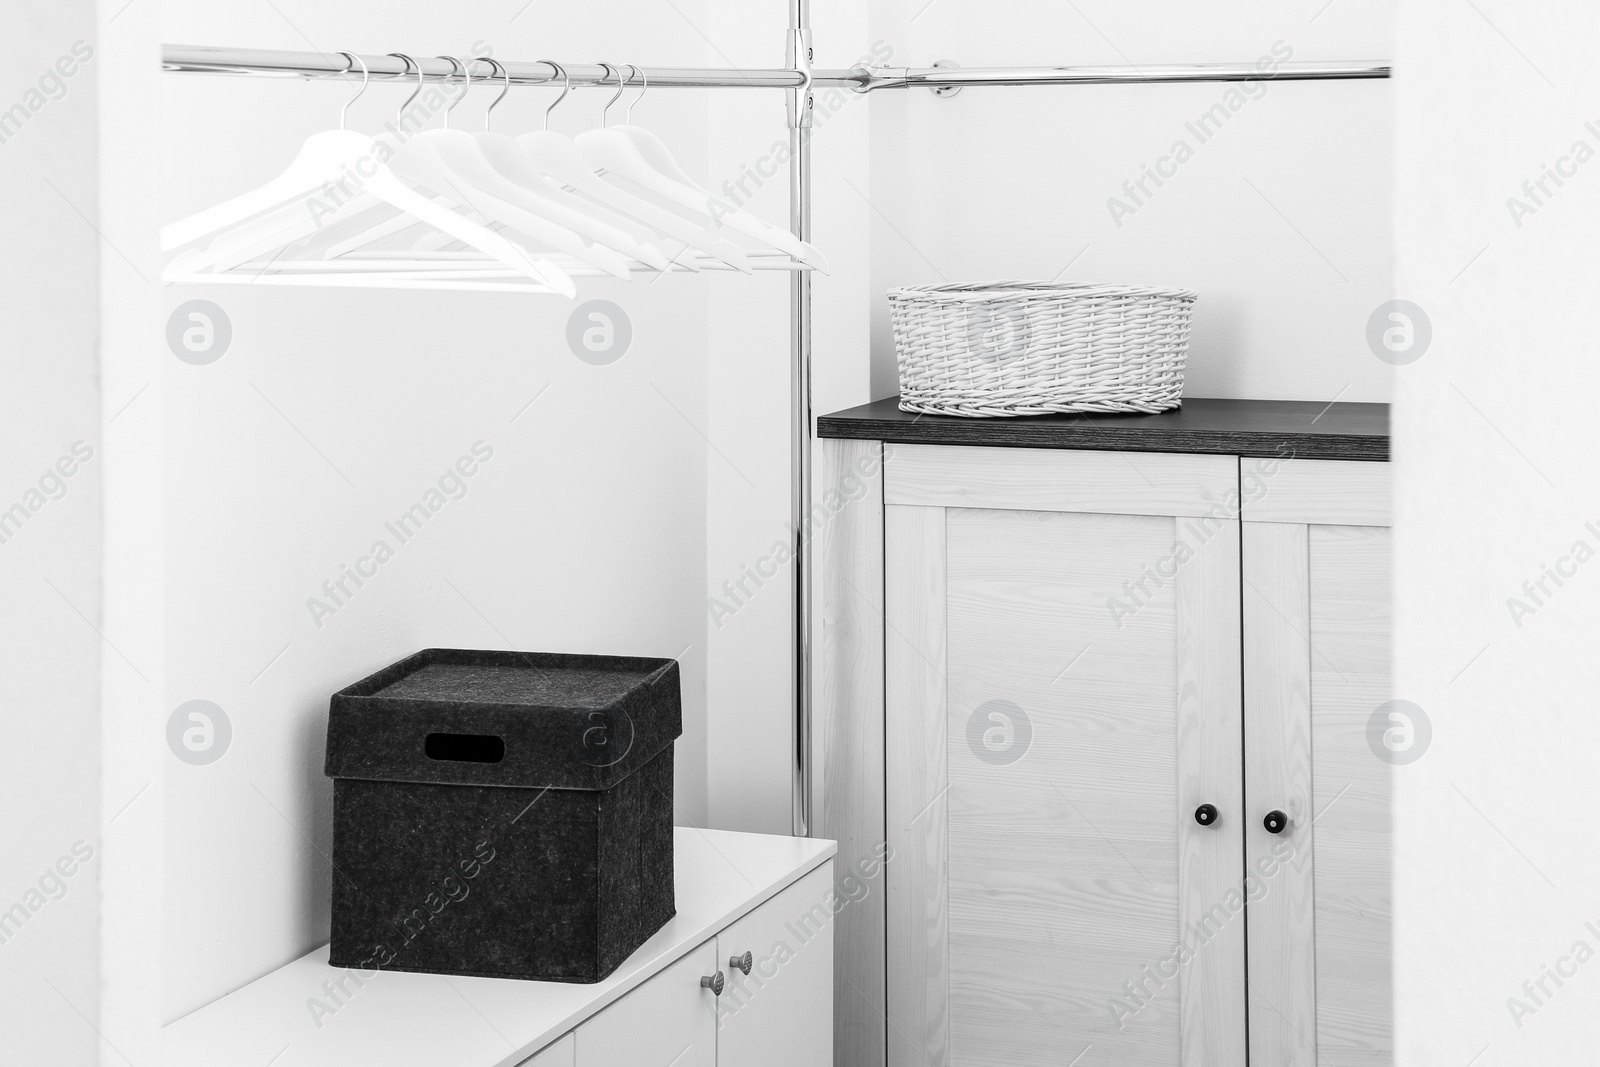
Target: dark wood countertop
pixel 1223 427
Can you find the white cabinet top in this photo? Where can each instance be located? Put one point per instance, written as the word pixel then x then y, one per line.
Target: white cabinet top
pixel 399 1019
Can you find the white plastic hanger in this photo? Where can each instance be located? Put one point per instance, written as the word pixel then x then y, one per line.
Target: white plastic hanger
pixel 323 157
pixel 497 170
pixel 655 153
pixel 351 239
pixel 294 226
pixel 450 165
pixel 335 160
pixel 563 205
pixel 638 156
pixel 447 164
pixel 542 153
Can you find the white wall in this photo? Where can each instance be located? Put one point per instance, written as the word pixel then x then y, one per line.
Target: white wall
pixel 1280 220
pixel 49 536
pixel 1494 437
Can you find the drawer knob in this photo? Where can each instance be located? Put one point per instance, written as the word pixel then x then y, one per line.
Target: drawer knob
pixel 1275 822
pixel 713 982
pixel 741 963
pixel 1206 815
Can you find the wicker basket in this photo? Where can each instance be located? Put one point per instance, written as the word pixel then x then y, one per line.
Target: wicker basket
pixel 1001 349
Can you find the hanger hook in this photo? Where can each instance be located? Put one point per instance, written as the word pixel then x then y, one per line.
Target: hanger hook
pixel 618 72
pixel 409 62
pixel 366 76
pixel 567 88
pixel 628 115
pixel 504 74
pixel 455 66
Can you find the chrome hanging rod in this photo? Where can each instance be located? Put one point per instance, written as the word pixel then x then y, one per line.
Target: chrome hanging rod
pixel 206 60
pixel 961 77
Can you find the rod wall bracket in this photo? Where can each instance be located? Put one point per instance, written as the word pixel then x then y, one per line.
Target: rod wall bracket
pixel 946 90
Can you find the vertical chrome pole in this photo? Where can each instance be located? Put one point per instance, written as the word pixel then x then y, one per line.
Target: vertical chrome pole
pixel 800 117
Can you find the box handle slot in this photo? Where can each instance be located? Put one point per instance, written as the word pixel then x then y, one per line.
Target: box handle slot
pixel 465 748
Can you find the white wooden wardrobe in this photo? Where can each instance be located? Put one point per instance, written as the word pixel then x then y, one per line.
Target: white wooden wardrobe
pixel 1116 705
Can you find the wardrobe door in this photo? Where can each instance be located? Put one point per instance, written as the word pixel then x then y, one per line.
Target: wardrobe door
pixel 1062 695
pixel 1321 747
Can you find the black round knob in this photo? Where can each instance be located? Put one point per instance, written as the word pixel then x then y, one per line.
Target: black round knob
pixel 1275 822
pixel 1206 815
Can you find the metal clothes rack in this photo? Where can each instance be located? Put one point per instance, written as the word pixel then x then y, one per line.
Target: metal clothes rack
pixel 800 81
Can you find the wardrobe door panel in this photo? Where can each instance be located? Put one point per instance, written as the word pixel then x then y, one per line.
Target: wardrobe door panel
pixel 1352 787
pixel 1063 865
pixel 1317 672
pixel 1054 718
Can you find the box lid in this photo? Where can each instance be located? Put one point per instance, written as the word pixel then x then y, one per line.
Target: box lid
pixel 526 720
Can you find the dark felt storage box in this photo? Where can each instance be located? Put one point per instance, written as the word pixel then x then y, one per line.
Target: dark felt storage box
pixel 502 814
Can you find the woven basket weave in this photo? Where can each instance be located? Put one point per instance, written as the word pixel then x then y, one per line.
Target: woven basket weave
pixel 1001 349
